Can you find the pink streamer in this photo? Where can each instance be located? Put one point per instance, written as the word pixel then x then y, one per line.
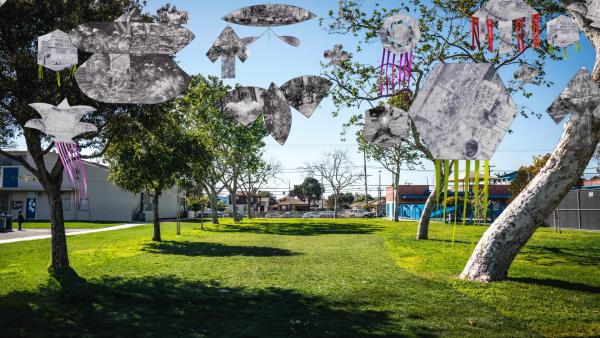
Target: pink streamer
pixel 81 169
pixel 62 154
pixel 381 73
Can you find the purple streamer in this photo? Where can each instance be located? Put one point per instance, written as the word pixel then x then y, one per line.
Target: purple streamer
pixel 381 73
pixel 62 154
pixel 400 70
pixel 394 73
pixel 410 68
pixel 387 78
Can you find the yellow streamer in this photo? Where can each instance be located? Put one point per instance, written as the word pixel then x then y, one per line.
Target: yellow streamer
pixel 466 195
pixel 438 181
pixel 486 189
pixel 446 180
pixel 476 188
pixel 456 178
pixel 58 78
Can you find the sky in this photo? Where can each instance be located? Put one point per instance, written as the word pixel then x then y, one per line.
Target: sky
pixel 272 61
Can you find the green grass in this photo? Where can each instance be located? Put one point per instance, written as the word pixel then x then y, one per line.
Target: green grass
pixel 68 225
pixel 308 278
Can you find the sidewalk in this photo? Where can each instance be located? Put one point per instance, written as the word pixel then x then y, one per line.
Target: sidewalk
pixel 35 234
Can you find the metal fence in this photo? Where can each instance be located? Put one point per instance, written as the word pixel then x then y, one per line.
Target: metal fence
pixel 580 209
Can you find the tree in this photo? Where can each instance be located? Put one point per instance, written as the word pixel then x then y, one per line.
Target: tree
pixel 255 174
pixel 153 155
pixel 344 201
pixel 231 143
pixel 309 191
pixel 443 39
pixel 526 174
pixel 507 235
pixel 21 22
pixel 597 157
pixel 337 169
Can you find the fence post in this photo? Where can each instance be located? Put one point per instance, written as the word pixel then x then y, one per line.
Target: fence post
pixel 578 209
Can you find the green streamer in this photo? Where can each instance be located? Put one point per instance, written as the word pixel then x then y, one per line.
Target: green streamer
pixel 566 55
pixel 577 46
pixel 456 178
pixel 58 78
pixel 40 72
pixel 486 188
pixel 438 180
pixel 466 195
pixel 476 188
pixel 73 71
pixel 550 50
pixel 446 180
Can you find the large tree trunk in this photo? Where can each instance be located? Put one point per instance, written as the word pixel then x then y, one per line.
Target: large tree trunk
pixel 155 198
pixel 423 230
pixel 335 206
pixel 60 258
pixel 249 207
pixel 233 193
pixel 213 206
pixel 506 236
pixel 500 244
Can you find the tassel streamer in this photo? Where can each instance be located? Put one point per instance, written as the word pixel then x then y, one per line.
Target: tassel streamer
pixel 58 78
pixel 490 32
pixel 438 180
pixel 476 188
pixel 486 189
pixel 456 178
pixel 577 47
pixel 474 32
pixel 40 72
pixel 446 181
pixel 536 30
pixel 466 192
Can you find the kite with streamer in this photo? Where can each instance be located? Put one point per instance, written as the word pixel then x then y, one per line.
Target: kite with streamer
pixel 505 12
pixel 563 32
pixel 399 36
pixel 63 123
pixel 462 113
pixel 57 53
pixel 305 93
pixel 132 60
pixel 269 16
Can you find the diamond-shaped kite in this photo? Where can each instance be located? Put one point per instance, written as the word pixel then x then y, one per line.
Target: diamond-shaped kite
pixel 399 36
pixel 228 46
pixel 505 12
pixel 305 93
pixel 56 52
pixel 132 61
pixel 386 125
pixel 63 123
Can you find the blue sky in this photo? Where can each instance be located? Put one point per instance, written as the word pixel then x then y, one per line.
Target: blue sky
pixel 273 61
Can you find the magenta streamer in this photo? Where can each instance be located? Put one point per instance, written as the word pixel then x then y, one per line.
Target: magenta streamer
pixel 387 78
pixel 82 170
pixel 62 154
pixel 394 73
pixel 410 68
pixel 381 73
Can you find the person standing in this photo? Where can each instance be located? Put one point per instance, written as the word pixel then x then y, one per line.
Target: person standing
pixel 20 219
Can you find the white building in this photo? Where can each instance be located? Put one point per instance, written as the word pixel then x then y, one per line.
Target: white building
pixel 20 190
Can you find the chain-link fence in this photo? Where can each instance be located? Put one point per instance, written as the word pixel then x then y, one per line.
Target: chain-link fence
pixel 580 209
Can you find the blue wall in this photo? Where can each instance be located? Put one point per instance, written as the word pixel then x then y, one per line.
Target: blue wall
pixel 414 211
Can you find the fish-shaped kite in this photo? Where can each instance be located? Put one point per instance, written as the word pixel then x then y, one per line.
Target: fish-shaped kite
pixel 63 123
pixel 132 60
pixel 271 15
pixel 305 93
pixel 463 112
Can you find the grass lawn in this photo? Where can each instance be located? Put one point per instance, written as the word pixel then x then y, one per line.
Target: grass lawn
pixel 308 278
pixel 68 225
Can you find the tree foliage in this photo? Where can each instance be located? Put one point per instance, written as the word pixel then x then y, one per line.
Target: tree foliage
pixel 344 201
pixel 526 174
pixel 309 191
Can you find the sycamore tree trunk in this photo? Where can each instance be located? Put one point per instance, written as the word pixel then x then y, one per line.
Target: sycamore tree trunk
pixel 213 206
pixel 335 205
pixel 60 258
pixel 502 241
pixel 155 199
pixel 423 230
pixel 249 206
pixel 233 193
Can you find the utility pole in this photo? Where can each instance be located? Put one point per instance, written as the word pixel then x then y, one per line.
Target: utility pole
pixel 322 194
pixel 379 194
pixel 288 196
pixel 366 178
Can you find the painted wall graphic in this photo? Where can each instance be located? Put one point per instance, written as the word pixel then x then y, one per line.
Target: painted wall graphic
pixel 56 52
pixel 228 46
pixel 386 125
pixel 63 123
pixel 399 36
pixel 132 60
pixel 271 15
pixel 504 13
pixel 305 93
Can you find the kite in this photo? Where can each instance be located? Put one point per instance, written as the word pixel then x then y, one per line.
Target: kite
pixel 2 2
pixel 56 52
pixel 591 10
pixel 269 16
pixel 526 74
pixel 399 36
pixel 505 12
pixel 563 32
pixel 227 46
pixel 581 98
pixel 386 125
pixel 63 123
pixel 132 60
pixel 462 113
pixel 305 93
pixel 337 55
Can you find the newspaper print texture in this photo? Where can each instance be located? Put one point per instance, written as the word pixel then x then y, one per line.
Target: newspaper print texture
pixel 245 104
pixel 463 111
pixel 591 10
pixel 228 46
pixel 562 32
pixel 132 60
pixel 400 33
pixel 337 55
pixel 305 93
pixel 504 10
pixel 581 97
pixel 269 15
pixel 278 114
pixel 526 74
pixel 56 52
pixel 386 125
pixel 505 33
pixel 62 121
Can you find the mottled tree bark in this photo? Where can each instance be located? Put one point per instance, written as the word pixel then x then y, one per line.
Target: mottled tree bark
pixel 60 257
pixel 503 240
pixel 423 230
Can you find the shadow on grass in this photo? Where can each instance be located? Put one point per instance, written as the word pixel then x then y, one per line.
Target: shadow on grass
pixel 194 249
pixel 299 227
pixel 171 307
pixel 545 254
pixel 558 284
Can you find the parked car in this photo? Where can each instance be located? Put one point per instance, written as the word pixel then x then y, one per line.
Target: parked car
pixel 360 213
pixel 208 214
pixel 272 215
pixel 311 215
pixel 326 214
pixel 291 214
